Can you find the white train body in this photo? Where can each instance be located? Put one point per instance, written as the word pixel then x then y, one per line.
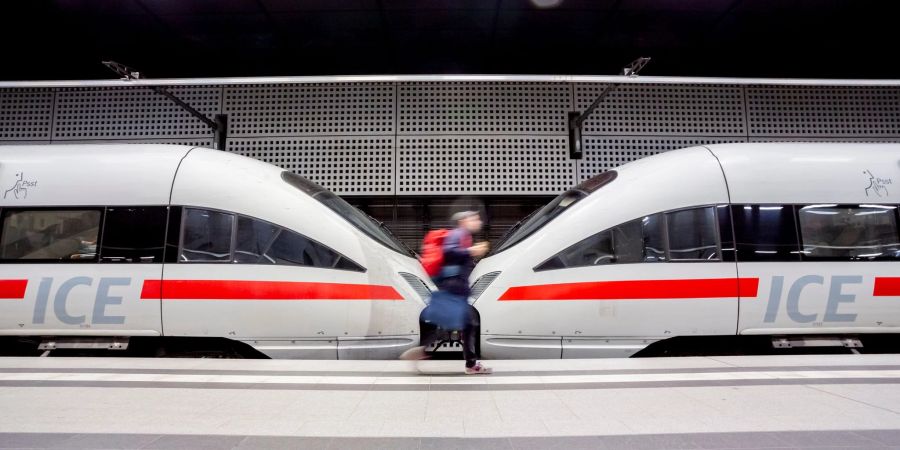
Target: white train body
pixel 253 256
pixel 650 255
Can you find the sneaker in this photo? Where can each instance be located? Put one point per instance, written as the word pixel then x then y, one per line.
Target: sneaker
pixel 414 354
pixel 478 369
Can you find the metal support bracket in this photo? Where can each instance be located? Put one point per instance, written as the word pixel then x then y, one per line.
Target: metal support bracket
pixel 815 341
pixel 576 119
pixel 113 343
pixel 219 125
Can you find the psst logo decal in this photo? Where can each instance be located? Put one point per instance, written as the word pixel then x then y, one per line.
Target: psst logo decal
pixel 877 186
pixel 19 189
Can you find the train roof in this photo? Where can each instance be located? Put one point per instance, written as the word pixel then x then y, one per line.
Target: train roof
pixel 793 172
pixel 88 174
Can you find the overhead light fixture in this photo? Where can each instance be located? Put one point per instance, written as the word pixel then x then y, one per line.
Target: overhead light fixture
pixel 218 125
pixel 576 120
pixel 545 4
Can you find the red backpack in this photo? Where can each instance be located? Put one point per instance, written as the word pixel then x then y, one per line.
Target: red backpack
pixel 433 251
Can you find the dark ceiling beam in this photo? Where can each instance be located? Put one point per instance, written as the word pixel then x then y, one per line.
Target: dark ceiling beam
pixel 611 14
pixel 169 30
pixel 386 35
pixel 705 35
pixel 492 43
pixel 805 38
pixel 280 41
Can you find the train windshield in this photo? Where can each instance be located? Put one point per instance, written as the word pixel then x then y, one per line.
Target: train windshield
pixel 371 227
pixel 527 226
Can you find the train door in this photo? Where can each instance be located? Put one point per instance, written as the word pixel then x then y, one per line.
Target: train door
pixel 822 268
pixel 80 270
pixel 247 279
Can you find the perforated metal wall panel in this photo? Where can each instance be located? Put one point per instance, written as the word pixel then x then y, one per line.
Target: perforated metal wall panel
pixel 346 165
pixel 450 164
pixel 131 113
pixel 661 109
pixel 806 111
pixel 602 153
pixel 25 114
pixel 408 150
pixel 825 139
pixel 331 109
pixel 192 142
pixel 430 136
pixel 483 108
pixel 410 217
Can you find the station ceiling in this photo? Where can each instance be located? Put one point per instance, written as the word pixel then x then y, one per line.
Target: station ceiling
pixel 67 39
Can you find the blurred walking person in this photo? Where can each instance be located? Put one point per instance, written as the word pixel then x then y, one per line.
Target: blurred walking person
pixel 449 257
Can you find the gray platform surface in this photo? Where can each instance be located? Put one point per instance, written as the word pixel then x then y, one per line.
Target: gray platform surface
pixel 838 401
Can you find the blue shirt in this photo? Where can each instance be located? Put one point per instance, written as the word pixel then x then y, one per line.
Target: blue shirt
pixel 458 263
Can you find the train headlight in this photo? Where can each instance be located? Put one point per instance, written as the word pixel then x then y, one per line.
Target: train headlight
pixel 482 283
pixel 417 285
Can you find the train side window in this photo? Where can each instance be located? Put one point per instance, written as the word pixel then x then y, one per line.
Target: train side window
pixel 765 233
pixel 692 235
pixel 290 248
pixel 639 240
pixel 654 234
pixel 207 236
pixel 849 232
pixel 594 250
pixel 133 234
pixel 50 235
pixel 628 242
pixel 253 239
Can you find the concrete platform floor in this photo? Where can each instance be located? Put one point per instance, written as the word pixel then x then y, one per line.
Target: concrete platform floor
pixel 836 401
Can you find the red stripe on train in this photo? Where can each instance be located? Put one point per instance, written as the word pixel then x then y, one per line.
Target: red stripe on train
pixel 263 290
pixel 13 289
pixel 637 290
pixel 887 287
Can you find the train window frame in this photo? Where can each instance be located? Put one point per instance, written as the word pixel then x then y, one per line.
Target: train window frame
pixel 665 236
pixel 279 229
pixel 381 234
pixel 275 229
pixel 173 234
pixel 796 252
pixel 805 257
pixel 105 225
pixel 101 209
pixel 181 235
pixel 725 228
pixel 520 231
pixel 897 214
pixel 716 234
pixel 288 233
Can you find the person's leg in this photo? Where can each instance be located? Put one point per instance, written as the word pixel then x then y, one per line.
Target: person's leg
pixel 470 335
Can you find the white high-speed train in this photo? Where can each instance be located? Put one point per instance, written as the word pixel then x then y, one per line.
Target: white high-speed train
pixel 102 243
pixel 798 241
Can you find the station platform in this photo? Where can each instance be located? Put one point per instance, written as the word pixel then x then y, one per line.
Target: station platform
pixel 835 401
